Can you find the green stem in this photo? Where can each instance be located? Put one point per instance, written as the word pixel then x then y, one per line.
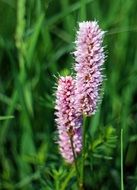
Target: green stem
pixel 122 182
pixel 83 154
pixel 75 161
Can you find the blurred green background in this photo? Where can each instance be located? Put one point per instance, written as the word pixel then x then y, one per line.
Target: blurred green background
pixel 36 39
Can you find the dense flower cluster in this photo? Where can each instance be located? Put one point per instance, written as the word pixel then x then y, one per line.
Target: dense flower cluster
pixel 69 125
pixel 89 58
pixel 78 96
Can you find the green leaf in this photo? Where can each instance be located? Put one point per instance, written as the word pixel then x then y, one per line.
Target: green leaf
pixel 6 117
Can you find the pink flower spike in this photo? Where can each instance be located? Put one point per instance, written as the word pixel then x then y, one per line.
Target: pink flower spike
pixel 69 125
pixel 89 56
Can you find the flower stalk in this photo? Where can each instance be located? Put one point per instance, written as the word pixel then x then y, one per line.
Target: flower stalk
pixel 78 97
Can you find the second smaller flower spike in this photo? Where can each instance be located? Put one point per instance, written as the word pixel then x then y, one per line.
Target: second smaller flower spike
pixel 89 56
pixel 69 125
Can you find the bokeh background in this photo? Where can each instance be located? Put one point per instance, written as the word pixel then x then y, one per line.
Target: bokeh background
pixel 36 39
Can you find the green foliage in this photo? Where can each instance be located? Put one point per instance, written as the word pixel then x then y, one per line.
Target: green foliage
pixel 104 143
pixel 35 45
